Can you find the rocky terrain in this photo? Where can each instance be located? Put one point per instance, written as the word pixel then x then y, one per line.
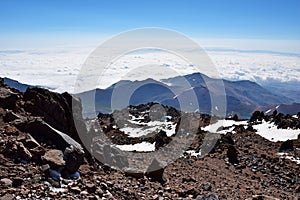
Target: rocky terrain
pixel 47 151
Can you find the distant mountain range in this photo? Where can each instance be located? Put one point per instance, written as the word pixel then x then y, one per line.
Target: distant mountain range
pixel 21 86
pixel 242 97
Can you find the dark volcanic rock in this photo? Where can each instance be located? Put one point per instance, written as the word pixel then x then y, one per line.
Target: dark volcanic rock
pixel 257 116
pixel 155 171
pixel 161 139
pixel 61 111
pixel 8 98
pixel 11 116
pixel 134 173
pixel 208 197
pixel 287 146
pixel 16 150
pixel 232 154
pixel 44 133
pixel 74 157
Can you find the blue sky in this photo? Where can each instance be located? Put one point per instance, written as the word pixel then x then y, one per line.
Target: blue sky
pixel 243 19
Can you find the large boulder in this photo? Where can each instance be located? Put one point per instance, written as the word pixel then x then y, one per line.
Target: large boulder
pixel 61 111
pixel 286 146
pixel 67 162
pixel 44 133
pixel 161 139
pixel 232 154
pixel 8 98
pixel 110 155
pixel 73 157
pixel 54 158
pixel 155 171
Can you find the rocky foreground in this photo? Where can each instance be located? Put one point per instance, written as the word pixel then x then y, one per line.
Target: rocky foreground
pixel 42 155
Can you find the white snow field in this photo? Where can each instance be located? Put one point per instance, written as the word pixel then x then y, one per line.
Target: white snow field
pixel 271 132
pixel 141 147
pixel 213 128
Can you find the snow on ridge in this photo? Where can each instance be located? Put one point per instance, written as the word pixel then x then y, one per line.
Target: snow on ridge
pixel 292 158
pixel 140 147
pixel 213 128
pixel 272 133
pixel 268 111
pixel 193 153
pixel 144 128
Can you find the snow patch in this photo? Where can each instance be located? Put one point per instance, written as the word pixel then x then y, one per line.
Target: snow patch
pixel 271 132
pixel 194 153
pixel 140 129
pixel 268 111
pixel 292 158
pixel 141 147
pixel 213 128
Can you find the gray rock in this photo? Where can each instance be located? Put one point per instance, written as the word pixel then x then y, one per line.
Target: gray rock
pixel 54 158
pixel 155 170
pixel 6 182
pixel 44 133
pixel 136 173
pixel 8 98
pixel 74 157
pixel 208 197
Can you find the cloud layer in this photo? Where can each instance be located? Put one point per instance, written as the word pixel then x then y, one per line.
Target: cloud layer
pixel 58 68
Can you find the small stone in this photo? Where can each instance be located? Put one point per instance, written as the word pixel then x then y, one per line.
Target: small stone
pixel 134 173
pixel 7 197
pixel 207 187
pixel 76 190
pixel 103 186
pixel 84 193
pixel 84 169
pixel 45 168
pixel 91 188
pixel 6 182
pixel 17 182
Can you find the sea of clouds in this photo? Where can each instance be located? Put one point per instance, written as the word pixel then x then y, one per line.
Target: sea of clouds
pixel 58 68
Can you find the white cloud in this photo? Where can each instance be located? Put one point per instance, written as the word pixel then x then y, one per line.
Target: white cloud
pixel 58 67
pixel 256 66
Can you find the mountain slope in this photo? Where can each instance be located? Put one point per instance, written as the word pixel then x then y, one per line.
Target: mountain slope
pixel 189 93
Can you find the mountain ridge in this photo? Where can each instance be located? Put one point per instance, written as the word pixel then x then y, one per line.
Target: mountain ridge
pixel 242 97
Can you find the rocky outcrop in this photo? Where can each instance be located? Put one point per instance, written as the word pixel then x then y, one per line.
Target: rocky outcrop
pixel 8 98
pixel 44 133
pixel 110 155
pixel 155 171
pixel 61 111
